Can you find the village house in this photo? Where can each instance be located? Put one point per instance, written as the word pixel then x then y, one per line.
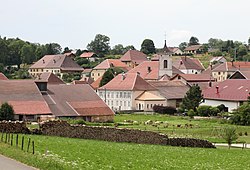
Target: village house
pixel 193 49
pixel 133 58
pixel 188 65
pixel 225 70
pixel 130 92
pixel 49 97
pixel 57 64
pixel 219 59
pixel 232 93
pixel 202 80
pixel 91 56
pixel 175 50
pixel 101 68
pixel 172 91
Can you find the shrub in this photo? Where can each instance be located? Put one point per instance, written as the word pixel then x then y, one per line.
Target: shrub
pixel 6 112
pixel 229 135
pixel 191 113
pixel 164 109
pixel 205 110
pixel 246 133
pixel 241 116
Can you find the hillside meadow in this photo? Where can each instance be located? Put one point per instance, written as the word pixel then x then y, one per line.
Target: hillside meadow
pixel 66 153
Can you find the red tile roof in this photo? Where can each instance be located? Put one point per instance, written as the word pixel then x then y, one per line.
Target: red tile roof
pixel 129 81
pixel 111 63
pixel 188 63
pixel 134 56
pixel 231 90
pixel 57 62
pixel 75 100
pixel 50 78
pixel 96 84
pixel 3 77
pixel 154 73
pixel 24 95
pixel 87 54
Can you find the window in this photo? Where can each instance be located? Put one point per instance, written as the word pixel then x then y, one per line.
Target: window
pixel 218 73
pixel 100 94
pixel 125 103
pixel 93 74
pixel 116 103
pixel 165 63
pixel 120 103
pixel 112 94
pixel 128 103
pixel 98 74
pixel 120 94
pixel 111 102
pixel 108 94
pixel 117 95
pixel 147 106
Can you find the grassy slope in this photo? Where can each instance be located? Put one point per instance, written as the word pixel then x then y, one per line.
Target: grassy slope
pixel 204 129
pixel 65 153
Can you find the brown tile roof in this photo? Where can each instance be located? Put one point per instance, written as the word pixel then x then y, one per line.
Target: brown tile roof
pixel 50 78
pixel 75 100
pixel 24 96
pixel 154 73
pixel 171 89
pixel 196 77
pixel 57 62
pixel 129 81
pixel 193 48
pixel 188 63
pixel 111 63
pixel 134 56
pixel 231 90
pixel 3 77
pixel 87 54
pixel 85 80
pixel 209 69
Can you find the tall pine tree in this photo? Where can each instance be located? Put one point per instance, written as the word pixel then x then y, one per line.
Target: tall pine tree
pixel 192 98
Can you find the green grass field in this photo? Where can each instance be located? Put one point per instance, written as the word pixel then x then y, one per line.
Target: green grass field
pixel 65 153
pixel 202 129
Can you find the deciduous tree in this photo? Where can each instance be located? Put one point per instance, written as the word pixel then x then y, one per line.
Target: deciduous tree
pixel 100 45
pixel 193 41
pixel 6 112
pixel 148 47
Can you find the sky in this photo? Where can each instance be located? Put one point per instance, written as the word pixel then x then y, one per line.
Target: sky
pixel 74 23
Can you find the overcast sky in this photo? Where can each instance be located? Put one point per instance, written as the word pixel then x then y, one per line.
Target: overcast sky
pixel 74 23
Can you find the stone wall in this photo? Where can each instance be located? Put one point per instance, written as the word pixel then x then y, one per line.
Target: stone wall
pixel 13 127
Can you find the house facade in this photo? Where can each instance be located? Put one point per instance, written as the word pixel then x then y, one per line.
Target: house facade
pixel 91 56
pixel 189 65
pixel 193 49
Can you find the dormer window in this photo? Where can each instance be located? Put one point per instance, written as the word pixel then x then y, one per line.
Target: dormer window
pixel 165 62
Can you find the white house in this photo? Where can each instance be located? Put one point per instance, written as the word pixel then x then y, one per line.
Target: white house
pixel 232 93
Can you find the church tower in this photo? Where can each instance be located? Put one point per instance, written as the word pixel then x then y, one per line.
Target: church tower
pixel 165 62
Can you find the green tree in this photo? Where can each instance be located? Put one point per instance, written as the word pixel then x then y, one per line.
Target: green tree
pixel 215 43
pixel 6 112
pixel 14 56
pixel 193 41
pixel 192 98
pixel 27 54
pixel 53 48
pixel 242 51
pixel 148 47
pixel 100 45
pixel 3 51
pixel 118 50
pixel 229 135
pixel 241 116
pixel 109 75
pixel 183 45
pixel 129 47
pixel 66 50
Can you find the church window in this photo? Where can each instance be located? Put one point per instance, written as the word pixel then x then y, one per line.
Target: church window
pixel 165 63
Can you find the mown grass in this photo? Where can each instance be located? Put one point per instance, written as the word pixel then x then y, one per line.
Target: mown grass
pixel 65 153
pixel 204 129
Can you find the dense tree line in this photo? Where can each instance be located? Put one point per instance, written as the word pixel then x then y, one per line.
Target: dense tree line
pixel 14 51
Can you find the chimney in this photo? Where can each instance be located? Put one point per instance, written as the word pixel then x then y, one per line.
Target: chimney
pixel 43 61
pixel 138 73
pixel 211 66
pixel 149 69
pixel 232 61
pixel 54 60
pixel 210 83
pixel 123 76
pixel 217 89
